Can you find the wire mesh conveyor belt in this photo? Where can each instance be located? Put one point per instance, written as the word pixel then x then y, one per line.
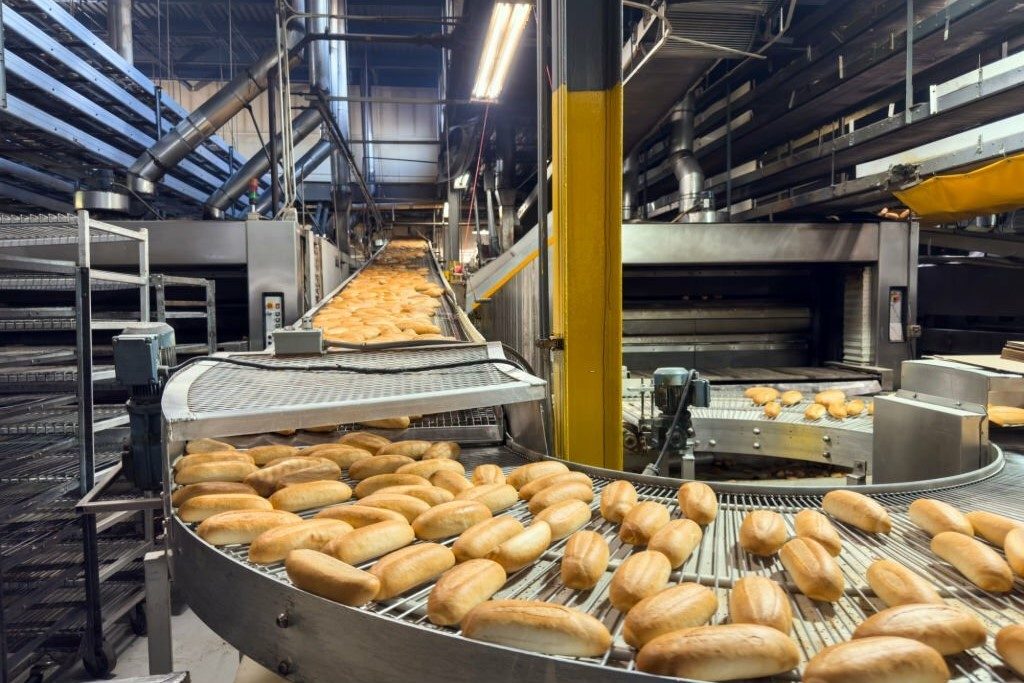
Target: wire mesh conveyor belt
pixel 236 597
pixel 737 408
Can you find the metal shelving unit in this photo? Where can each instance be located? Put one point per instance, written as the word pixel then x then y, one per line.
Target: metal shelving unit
pixel 170 310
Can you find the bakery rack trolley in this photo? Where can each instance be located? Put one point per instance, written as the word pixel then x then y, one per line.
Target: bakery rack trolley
pixel 54 438
pixel 173 310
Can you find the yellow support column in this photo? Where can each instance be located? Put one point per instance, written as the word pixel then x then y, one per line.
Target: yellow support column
pixel 587 205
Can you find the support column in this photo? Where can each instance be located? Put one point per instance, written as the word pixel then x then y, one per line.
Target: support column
pixel 452 236
pixel 587 206
pixel 119 28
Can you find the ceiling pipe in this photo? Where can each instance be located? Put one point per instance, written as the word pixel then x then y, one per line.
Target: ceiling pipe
pixel 304 166
pixel 685 166
pixel 119 28
pixel 337 85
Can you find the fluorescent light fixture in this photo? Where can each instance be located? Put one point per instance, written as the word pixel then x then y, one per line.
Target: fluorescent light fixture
pixel 506 28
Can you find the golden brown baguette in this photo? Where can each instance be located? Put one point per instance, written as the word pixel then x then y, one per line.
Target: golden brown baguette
pixel 720 653
pixel 431 495
pixel 482 538
pixel 451 481
pixel 676 540
pixel 537 627
pixel 896 585
pixel 857 510
pixel 320 469
pixel 265 481
pixel 791 397
pixel 183 493
pixel 214 471
pixel 528 491
pixel 759 600
pixel 762 395
pixel 449 519
pixel 830 396
pixel 341 455
pixel 640 575
pixel 488 474
pixel 564 517
pixel 207 446
pixel 750 392
pixel 371 485
pixel 642 521
pixel 370 542
pixel 947 629
pixel 855 407
pixel 934 517
pixel 584 560
pixel 813 570
pixel 496 497
pixel 815 412
pixel 462 588
pixel 556 493
pixel 378 464
pixel 212 456
pixel 412 448
pixel 401 422
pixel 360 515
pixel 1010 646
pixel 524 474
pixel 698 502
pixel 883 659
pixel 427 468
pixel 201 507
pixel 762 532
pixel 273 545
pixel 772 410
pixel 837 410
pixel 409 567
pixel 407 506
pixel 309 495
pixel 443 450
pixel 813 524
pixel 981 565
pixel 330 578
pixel 683 606
pixel 321 429
pixel 617 498
pixel 524 548
pixel 365 440
pixel 992 527
pixel 261 455
pixel 241 526
pixel 1013 547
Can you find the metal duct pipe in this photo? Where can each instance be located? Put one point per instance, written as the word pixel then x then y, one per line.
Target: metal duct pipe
pixel 119 28
pixel 198 126
pixel 258 164
pixel 369 162
pixel 304 165
pixel 630 186
pixel 337 85
pixel 684 164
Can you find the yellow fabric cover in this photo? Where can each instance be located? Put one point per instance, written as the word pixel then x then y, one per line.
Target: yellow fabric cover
pixel 995 188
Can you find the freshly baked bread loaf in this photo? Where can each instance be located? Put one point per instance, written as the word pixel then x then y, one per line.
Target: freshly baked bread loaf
pixel 524 474
pixel 273 545
pixel 857 510
pixel 309 495
pixel 527 491
pixel 642 521
pixel 877 660
pixel 261 455
pixel 484 537
pixel 378 464
pixel 1013 546
pixel 762 395
pixel 183 493
pixel 407 506
pixel 750 392
pixel 640 575
pixel 451 481
pixel 370 542
pixel 488 474
pixel 943 627
pixel 427 468
pixel 242 526
pixel 829 397
pixel 341 455
pixel 207 446
pixel 212 456
pixel 813 524
pixel 200 507
pixel 402 422
pixel 564 517
pixel 537 627
pixel 443 450
pixel 462 588
pixel 762 532
pixel 814 571
pixel 497 497
pixel 698 502
pixel 837 410
pixel 365 440
pixel 815 412
pixel 772 410
pixel 617 498
pixel 223 470
pixel 759 600
pixel 360 515
pixel 431 495
pixel 556 493
pixel 371 485
pixel 992 527
pixel 412 448
pixel 676 540
pixel 524 548
pixel 934 517
pixel 981 565
pixel 410 567
pixel 791 397
pixel 320 469
pixel 720 653
pixel 321 429
pixel 266 480
pixel 449 519
pixel 330 578
pixel 855 407
pixel 1010 646
pixel 683 606
pixel 584 560
pixel 896 585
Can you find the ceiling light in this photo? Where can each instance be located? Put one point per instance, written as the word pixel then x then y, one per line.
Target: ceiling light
pixel 508 19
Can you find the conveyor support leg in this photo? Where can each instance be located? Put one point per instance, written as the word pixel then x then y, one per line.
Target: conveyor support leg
pixel 158 613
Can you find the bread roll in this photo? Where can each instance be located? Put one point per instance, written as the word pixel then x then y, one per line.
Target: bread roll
pixel 524 548
pixel 683 606
pixel 482 538
pixel 854 407
pixel 791 397
pixel 365 440
pixel 378 464
pixel 242 526
pixel 370 542
pixel 412 448
pixel 496 497
pixel 443 450
pixel 360 515
pixel 1013 546
pixel 617 498
pixel 319 469
pixel 449 519
pixel 772 410
pixel 584 560
pixel 572 490
pixel 431 495
pixel 640 575
pixel 371 485
pixel 895 585
pixel 321 429
pixel 207 446
pixel 427 468
pixel 214 471
pixel 883 659
pixel 642 521
pixel 947 629
pixel 450 481
pixel 261 455
pixel 565 517
pixel 524 474
pixel 273 545
pixel 759 600
pixel 341 455
pixel 537 627
pixel 992 527
pixel 310 494
pixel 763 395
pixel 720 653
pixel 407 506
pixel 200 507
pixel 402 422
pixel 488 474
pixel 813 524
pixel 212 456
pixel 330 578
pixel 462 588
pixel 528 491
pixel 981 565
pixel 698 502
pixel 750 392
pixel 762 532
pixel 837 410
pixel 183 493
pixel 286 432
pixel 410 567
pixel 676 540
pixel 813 570
pixel 934 517
pixel 1010 646
pixel 815 412
pixel 829 397
pixel 857 510
pixel 265 480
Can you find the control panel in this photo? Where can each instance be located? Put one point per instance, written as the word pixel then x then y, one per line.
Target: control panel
pixel 273 316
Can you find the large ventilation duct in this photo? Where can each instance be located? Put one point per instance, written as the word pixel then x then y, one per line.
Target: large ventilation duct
pixel 258 164
pixel 198 126
pixel 630 186
pixel 119 28
pixel 305 165
pixel 684 164
pixel 337 85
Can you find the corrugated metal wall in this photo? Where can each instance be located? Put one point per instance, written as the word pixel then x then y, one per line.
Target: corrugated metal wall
pixel 511 315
